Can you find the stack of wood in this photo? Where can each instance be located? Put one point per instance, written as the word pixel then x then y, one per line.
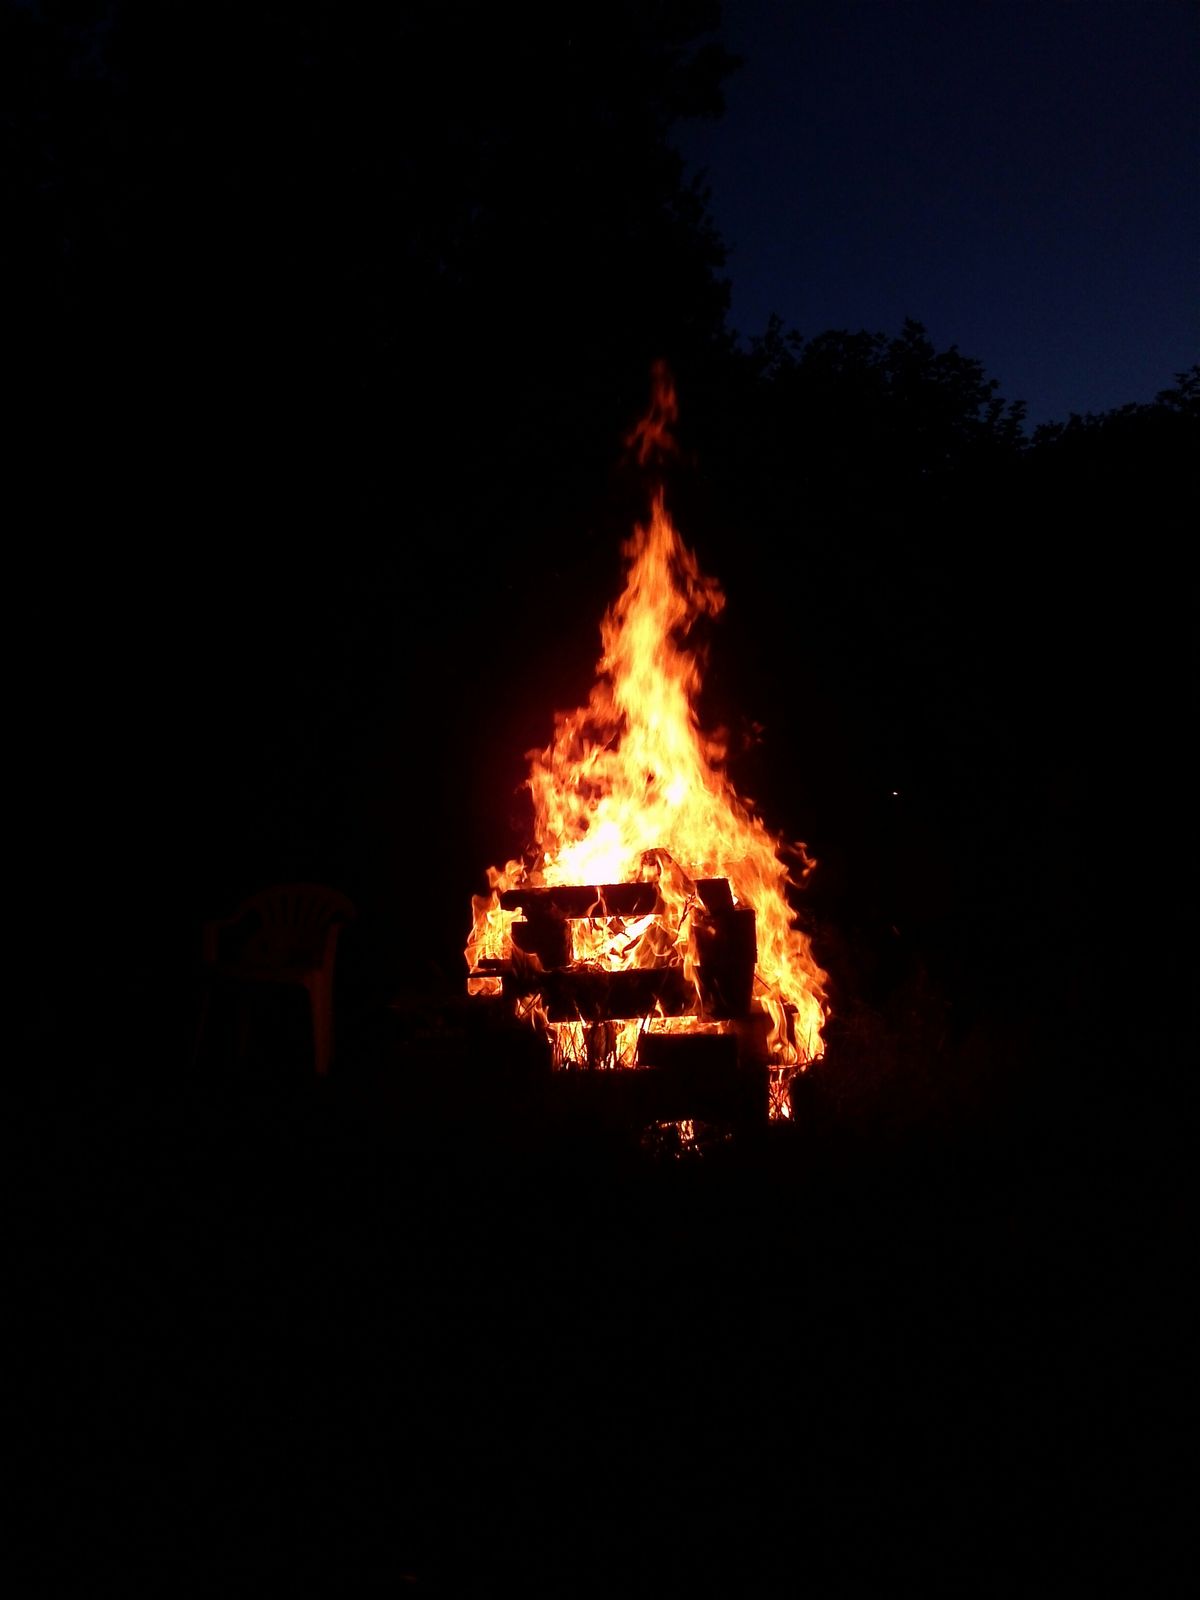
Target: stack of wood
pixel 723 944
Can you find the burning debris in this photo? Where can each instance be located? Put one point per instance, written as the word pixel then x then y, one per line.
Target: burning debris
pixel 652 918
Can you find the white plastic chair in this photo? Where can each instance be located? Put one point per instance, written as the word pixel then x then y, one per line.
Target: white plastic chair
pixel 286 934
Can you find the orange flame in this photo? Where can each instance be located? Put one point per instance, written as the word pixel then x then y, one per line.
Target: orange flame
pixel 630 787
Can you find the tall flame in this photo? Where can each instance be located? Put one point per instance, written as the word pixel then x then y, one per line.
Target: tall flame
pixel 631 784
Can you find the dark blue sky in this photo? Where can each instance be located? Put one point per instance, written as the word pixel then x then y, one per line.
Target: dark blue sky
pixel 1022 176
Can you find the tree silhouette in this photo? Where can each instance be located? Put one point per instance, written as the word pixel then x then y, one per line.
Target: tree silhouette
pixel 446 237
pixel 330 317
pixel 331 322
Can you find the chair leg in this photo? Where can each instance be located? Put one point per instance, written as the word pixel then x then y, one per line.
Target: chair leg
pixel 322 1029
pixel 201 1025
pixel 242 1027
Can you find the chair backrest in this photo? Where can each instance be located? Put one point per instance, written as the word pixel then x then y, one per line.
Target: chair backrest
pixel 294 922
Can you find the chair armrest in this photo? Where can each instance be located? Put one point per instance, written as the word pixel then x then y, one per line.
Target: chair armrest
pixel 210 935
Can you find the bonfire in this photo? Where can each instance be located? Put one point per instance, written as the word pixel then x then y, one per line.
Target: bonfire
pixel 654 901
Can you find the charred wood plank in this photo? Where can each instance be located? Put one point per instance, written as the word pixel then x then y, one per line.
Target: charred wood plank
pixel 715 894
pixel 547 938
pixel 727 952
pixel 591 994
pixel 637 899
pixel 574 900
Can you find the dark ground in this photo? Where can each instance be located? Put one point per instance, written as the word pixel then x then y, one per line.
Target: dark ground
pixel 390 1327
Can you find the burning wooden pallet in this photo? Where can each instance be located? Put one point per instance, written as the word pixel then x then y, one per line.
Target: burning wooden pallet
pixel 670 933
pixel 681 1011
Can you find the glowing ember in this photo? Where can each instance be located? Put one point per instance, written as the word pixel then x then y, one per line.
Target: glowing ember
pixel 632 792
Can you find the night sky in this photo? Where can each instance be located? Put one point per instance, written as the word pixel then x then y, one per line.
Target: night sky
pixel 1022 177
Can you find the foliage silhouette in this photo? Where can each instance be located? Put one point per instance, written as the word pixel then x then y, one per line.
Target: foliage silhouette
pixel 334 319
